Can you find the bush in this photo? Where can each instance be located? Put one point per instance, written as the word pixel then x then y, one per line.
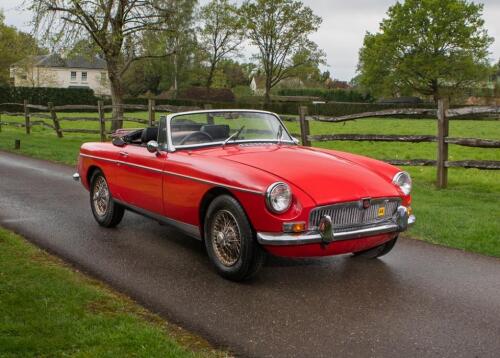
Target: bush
pixel 288 108
pixel 202 93
pixel 44 95
pixel 338 95
pixel 242 91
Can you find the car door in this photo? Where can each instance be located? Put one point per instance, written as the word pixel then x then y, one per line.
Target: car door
pixel 142 174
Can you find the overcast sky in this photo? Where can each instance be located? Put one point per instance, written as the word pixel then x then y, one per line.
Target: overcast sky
pixel 341 34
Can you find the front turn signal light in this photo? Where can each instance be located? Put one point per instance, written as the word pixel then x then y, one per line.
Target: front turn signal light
pixel 294 227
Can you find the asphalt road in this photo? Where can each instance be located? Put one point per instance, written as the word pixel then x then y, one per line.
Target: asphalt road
pixel 420 300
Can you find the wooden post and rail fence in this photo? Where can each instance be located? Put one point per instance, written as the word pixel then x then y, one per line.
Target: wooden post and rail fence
pixel 443 115
pixel 55 114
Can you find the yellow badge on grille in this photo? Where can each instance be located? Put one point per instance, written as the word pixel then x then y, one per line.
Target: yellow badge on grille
pixel 381 211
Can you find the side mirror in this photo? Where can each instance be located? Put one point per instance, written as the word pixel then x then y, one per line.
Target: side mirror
pixel 118 141
pixel 295 140
pixel 153 147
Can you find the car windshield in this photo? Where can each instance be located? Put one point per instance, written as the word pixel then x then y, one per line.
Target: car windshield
pixel 225 127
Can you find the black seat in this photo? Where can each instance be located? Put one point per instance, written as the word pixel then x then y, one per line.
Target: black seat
pixel 150 133
pixel 216 131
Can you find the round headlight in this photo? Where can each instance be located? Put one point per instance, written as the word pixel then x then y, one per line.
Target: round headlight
pixel 278 197
pixel 403 180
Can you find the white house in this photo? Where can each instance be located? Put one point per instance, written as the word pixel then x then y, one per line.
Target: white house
pixel 55 71
pixel 258 84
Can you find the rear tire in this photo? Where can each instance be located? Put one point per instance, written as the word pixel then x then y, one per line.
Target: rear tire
pixel 230 240
pixel 106 211
pixel 377 251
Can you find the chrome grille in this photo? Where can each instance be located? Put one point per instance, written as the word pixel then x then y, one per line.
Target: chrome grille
pixel 351 215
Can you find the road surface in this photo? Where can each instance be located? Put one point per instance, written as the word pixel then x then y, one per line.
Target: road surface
pixel 420 300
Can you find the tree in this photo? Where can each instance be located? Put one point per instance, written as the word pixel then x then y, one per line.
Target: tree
pixel 219 34
pixel 14 46
pixel 234 73
pixel 280 30
pixel 110 24
pixel 426 46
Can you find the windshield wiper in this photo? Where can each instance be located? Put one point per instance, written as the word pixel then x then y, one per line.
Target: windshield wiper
pixel 233 136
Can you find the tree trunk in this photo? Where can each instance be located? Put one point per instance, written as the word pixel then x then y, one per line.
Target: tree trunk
pixel 116 96
pixel 267 95
pixel 435 91
pixel 210 77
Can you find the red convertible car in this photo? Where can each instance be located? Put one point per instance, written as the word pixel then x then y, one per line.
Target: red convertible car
pixel 239 181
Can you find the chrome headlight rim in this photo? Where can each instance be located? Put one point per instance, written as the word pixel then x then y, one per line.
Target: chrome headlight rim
pixel 269 202
pixel 403 181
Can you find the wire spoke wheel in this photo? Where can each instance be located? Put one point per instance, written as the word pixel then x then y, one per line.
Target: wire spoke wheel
pixel 226 238
pixel 101 196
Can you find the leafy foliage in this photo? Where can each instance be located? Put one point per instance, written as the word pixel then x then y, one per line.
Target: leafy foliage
pixel 219 34
pixel 280 30
pixel 327 95
pixel 14 46
pixel 432 47
pixel 43 95
pixel 114 26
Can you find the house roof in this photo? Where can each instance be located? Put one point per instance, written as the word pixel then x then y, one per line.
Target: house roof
pixel 55 60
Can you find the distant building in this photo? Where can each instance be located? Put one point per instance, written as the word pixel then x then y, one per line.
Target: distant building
pixel 55 71
pixel 258 84
pixel 336 84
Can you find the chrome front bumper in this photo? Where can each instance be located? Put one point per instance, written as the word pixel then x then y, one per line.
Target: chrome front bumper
pixel 325 235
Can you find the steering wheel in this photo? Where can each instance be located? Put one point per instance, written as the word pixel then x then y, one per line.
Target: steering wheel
pixel 194 134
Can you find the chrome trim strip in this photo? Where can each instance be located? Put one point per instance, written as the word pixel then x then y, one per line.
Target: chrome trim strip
pixel 100 158
pixel 313 237
pixel 252 191
pixel 188 229
pixel 215 183
pixel 241 141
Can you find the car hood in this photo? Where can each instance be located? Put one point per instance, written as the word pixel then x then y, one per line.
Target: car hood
pixel 325 176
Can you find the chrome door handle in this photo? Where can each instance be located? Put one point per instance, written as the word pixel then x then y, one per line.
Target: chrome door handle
pixel 124 154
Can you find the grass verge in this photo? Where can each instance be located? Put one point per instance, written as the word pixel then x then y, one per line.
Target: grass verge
pixel 465 216
pixel 49 310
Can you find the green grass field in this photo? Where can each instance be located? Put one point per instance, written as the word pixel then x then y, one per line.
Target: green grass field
pixel 464 216
pixel 50 310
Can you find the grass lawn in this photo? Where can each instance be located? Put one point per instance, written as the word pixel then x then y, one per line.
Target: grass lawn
pixel 49 310
pixel 464 216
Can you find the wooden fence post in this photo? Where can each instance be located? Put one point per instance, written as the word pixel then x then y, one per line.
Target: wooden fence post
pixel 102 120
pixel 151 112
pixel 53 115
pixel 27 117
pixel 442 146
pixel 304 126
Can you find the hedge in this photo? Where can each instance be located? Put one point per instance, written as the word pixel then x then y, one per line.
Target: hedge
pixel 289 108
pixel 64 96
pixel 44 95
pixel 335 95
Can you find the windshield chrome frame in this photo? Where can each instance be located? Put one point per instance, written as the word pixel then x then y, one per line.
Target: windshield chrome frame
pixel 171 148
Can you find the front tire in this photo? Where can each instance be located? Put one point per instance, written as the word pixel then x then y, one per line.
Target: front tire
pixel 230 241
pixel 377 251
pixel 106 211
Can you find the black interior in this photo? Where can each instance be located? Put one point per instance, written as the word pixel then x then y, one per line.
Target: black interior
pixel 150 133
pixel 214 132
